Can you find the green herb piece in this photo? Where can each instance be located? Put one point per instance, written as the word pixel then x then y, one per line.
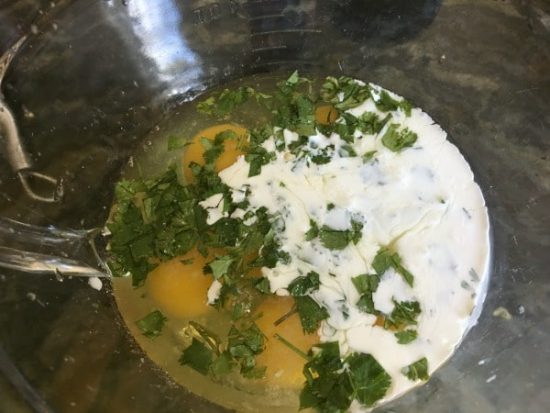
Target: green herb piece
pixel 151 325
pixel 257 157
pixel 347 151
pixel 225 102
pixel 311 314
pixel 396 140
pixel 417 370
pixel 369 379
pixel 153 218
pixel 385 259
pixel 386 103
pixel 222 365
pixel 366 283
pixel 404 314
pixel 243 345
pixel 263 286
pixel 330 206
pixel 336 239
pixel 304 285
pixel 332 384
pixel 366 304
pixel 406 336
pixel 313 231
pixel 197 356
pixel 328 386
pixel 291 346
pixel 344 92
pixel 214 148
pixel 368 156
pixel 220 266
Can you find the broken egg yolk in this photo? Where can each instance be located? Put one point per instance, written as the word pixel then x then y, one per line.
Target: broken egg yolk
pixel 195 150
pixel 284 365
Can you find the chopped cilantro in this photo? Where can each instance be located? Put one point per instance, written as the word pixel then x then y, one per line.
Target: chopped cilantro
pixel 344 92
pixel 225 102
pixel 386 103
pixel 197 356
pixel 332 384
pixel 222 365
pixel 347 151
pixel 311 314
pixel 366 283
pixel 385 259
pixel 304 285
pixel 313 231
pixel 220 266
pixel 258 157
pixel 396 140
pixel 151 325
pixel 368 156
pixel 339 239
pixel 263 286
pixel 417 370
pixel 366 304
pixel 370 380
pixel 404 314
pixel 406 336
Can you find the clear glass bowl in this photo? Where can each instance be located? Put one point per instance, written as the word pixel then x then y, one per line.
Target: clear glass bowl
pixel 94 81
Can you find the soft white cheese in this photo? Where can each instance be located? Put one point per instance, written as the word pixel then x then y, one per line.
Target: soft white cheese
pixel 214 207
pixel 214 292
pixel 422 201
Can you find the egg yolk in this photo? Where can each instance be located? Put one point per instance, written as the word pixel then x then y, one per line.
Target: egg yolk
pixel 180 287
pixel 195 150
pixel 284 366
pixel 326 114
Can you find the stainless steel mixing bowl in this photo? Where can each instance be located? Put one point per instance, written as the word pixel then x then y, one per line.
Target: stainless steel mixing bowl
pixel 92 81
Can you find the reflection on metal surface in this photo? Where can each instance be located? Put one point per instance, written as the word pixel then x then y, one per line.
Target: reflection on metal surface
pixel 159 30
pixel 18 158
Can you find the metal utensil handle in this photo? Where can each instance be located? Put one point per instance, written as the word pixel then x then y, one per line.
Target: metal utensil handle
pixel 18 158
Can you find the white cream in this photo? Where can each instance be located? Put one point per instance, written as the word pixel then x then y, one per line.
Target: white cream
pixel 422 200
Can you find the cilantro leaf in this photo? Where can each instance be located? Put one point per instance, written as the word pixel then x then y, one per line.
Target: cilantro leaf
pixel 311 314
pixel 337 239
pixel 386 103
pixel 328 386
pixel 404 313
pixel 313 231
pixel 396 140
pixel 151 325
pixel 385 260
pixel 222 365
pixel 197 356
pixel 332 384
pixel 417 370
pixel 304 285
pixel 368 156
pixel 366 304
pixel 406 336
pixel 257 157
pixel 263 285
pixel 366 283
pixel 344 92
pixel 220 266
pixel 225 102
pixel 369 379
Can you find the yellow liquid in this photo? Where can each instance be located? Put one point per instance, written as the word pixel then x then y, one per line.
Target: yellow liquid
pixel 179 289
